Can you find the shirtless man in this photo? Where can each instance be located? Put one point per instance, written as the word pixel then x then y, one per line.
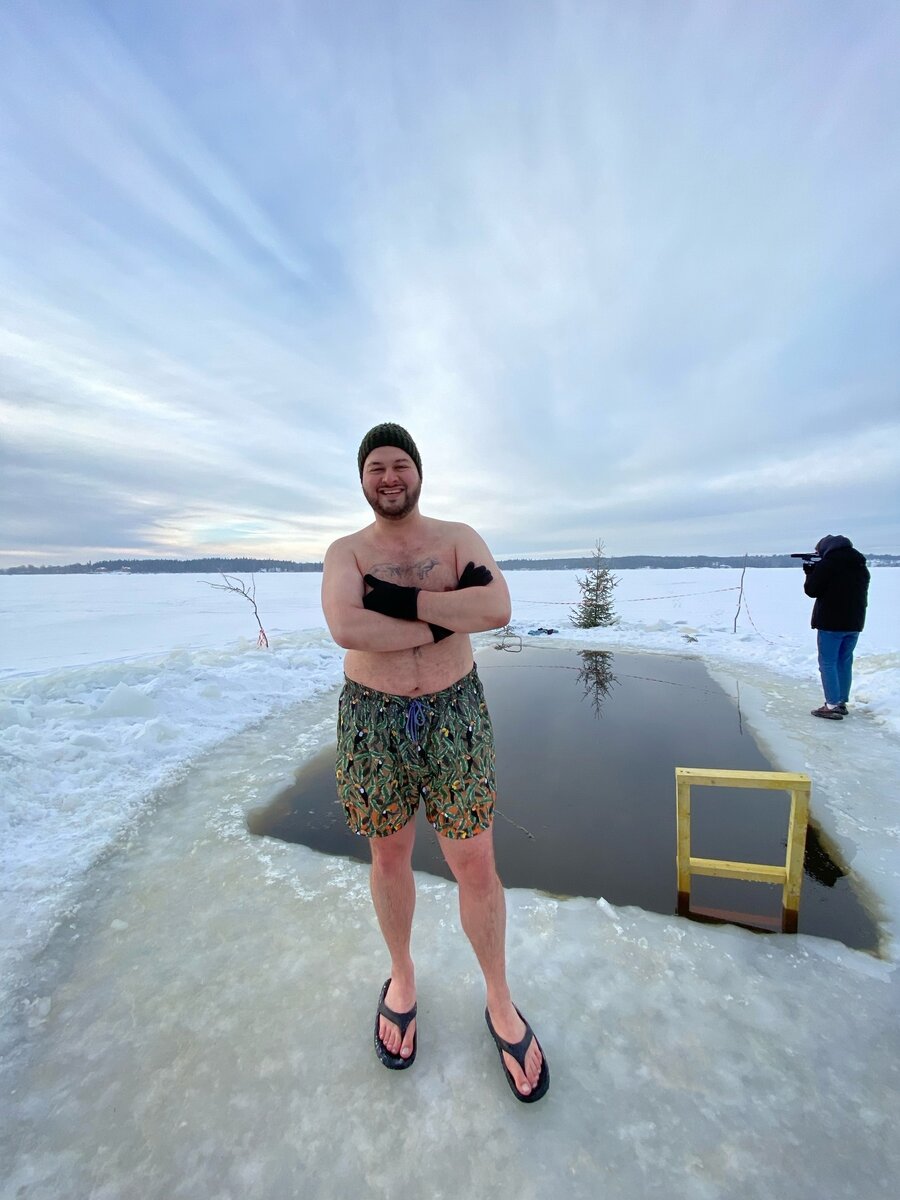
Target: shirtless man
pixel 402 596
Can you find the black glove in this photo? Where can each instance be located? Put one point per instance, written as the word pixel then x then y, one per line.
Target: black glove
pixel 391 600
pixel 474 576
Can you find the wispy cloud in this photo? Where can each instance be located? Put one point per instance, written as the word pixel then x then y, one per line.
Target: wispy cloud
pixel 624 271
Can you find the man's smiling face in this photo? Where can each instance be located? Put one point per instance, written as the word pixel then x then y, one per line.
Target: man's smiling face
pixel 390 482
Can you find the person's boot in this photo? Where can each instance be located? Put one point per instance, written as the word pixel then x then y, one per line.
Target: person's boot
pixel 829 713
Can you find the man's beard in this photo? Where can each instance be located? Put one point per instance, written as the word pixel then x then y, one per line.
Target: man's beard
pixel 394 508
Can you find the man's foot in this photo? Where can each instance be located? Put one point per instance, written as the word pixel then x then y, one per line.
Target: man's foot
pixel 395 1025
pixel 829 713
pixel 841 708
pixel 526 1068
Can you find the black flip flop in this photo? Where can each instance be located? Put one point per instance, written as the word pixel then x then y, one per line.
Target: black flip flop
pixel 518 1050
pixel 394 1062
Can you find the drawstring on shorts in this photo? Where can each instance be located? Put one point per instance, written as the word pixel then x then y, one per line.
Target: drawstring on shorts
pixel 415 720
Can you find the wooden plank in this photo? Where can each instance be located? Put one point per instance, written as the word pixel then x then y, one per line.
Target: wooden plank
pixel 777 780
pixel 796 844
pixel 748 920
pixel 754 872
pixel 683 823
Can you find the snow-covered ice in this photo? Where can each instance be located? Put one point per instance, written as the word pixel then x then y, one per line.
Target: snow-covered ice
pixel 188 1009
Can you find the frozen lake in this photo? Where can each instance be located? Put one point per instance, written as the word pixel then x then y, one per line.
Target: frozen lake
pixel 189 1008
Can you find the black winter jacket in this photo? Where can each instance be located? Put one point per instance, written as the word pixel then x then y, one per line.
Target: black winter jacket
pixel 840 586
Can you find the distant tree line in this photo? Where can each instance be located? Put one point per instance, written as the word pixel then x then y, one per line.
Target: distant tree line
pixel 670 562
pixel 168 566
pixel 209 566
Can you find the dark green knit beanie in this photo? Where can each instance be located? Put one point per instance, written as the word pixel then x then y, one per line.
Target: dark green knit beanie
pixel 388 434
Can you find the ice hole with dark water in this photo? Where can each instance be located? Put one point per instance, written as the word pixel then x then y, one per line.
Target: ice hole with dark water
pixel 587 745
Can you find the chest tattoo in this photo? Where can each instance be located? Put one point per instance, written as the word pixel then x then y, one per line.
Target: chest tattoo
pixel 408 573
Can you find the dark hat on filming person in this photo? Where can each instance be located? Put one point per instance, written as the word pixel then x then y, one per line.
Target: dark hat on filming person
pixel 388 434
pixel 832 541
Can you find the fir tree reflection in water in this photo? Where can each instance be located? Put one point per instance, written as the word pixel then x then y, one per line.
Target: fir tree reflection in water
pixel 596 677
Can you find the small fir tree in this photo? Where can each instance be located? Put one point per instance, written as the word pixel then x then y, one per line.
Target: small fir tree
pixel 596 604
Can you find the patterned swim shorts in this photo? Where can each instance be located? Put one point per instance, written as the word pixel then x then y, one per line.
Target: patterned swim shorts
pixel 395 750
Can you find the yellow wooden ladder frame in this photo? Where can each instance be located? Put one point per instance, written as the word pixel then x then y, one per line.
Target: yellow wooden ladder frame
pixel 790 876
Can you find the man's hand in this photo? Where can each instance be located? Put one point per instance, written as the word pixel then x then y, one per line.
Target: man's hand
pixel 391 600
pixel 474 576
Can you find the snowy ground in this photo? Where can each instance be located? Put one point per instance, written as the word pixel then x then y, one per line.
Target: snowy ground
pixel 188 1009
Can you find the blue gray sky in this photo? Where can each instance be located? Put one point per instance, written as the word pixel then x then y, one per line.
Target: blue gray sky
pixel 624 270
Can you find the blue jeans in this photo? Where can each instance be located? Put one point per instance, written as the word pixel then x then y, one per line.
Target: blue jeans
pixel 836 664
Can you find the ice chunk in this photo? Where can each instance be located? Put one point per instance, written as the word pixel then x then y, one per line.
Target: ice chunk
pixel 127 702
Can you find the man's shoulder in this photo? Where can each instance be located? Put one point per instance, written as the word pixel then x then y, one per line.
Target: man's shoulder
pixel 349 543
pixel 450 529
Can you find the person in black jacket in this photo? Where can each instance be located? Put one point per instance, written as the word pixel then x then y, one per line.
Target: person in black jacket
pixel 839 583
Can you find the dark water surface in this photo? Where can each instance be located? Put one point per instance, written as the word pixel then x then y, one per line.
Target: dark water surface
pixel 587 746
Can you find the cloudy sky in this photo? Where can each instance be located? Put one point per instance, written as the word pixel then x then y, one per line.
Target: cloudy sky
pixel 625 270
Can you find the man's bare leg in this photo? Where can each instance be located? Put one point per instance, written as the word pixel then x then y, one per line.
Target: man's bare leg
pixel 394 897
pixel 482 910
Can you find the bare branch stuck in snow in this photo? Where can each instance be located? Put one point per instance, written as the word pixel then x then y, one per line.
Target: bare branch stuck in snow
pixel 234 584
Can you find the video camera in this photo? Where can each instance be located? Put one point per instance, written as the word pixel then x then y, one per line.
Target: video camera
pixel 808 557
